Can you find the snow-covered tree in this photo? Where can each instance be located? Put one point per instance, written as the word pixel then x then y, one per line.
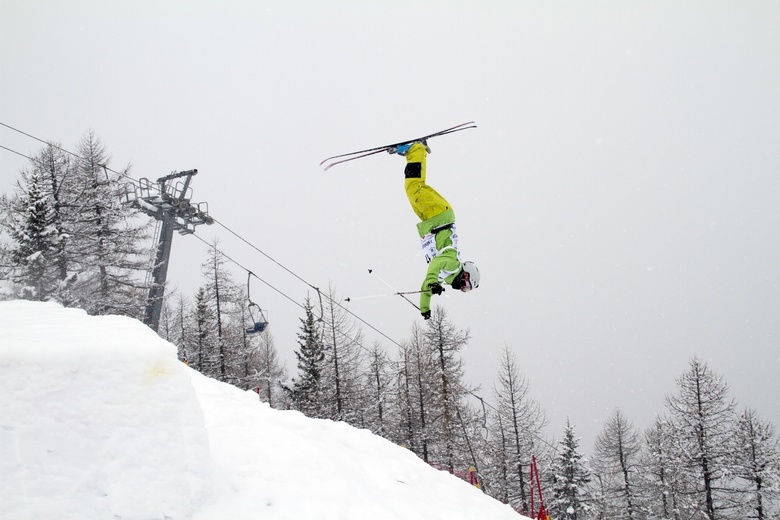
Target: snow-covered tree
pixel 224 296
pixel 375 414
pixel 416 387
pixel 180 329
pixel 445 341
pixel 342 381
pixel 703 417
pixel 306 388
pixel 569 478
pixel 6 291
pixel 49 170
pixel 165 328
pixel 100 250
pixel 109 245
pixel 56 169
pixel 616 464
pixel 269 372
pixel 203 353
pixel 242 345
pixel 516 429
pixel 35 248
pixel 663 481
pixel 497 472
pixel 756 467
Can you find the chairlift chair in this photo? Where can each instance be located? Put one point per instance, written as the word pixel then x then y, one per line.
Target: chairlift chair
pixel 256 314
pixel 258 319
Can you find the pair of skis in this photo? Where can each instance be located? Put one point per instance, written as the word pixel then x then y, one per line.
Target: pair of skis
pixel 351 156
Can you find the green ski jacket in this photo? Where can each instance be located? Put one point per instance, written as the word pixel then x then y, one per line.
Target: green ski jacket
pixel 445 262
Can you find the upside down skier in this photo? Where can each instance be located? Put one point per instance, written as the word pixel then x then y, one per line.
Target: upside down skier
pixel 437 230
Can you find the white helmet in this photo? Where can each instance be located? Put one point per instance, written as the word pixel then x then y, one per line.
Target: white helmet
pixel 473 272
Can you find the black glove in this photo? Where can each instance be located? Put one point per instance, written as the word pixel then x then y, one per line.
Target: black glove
pixel 435 288
pixel 426 315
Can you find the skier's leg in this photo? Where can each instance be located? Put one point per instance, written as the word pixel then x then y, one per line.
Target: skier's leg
pixel 426 202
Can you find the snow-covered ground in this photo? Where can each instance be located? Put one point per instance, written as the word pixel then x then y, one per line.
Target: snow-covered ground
pixel 99 420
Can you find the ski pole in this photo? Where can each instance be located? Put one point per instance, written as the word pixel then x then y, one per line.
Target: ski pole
pixel 371 271
pixel 371 296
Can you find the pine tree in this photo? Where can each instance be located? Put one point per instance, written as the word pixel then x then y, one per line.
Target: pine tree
pixel 517 426
pixel 616 460
pixel 471 445
pixel 664 483
pixel 241 366
pixel 5 263
pixel 202 353
pixel 445 342
pixel 52 169
pixel 416 396
pixel 270 373
pixel 378 384
pixel 107 243
pixel 223 296
pixel 165 328
pixel 757 466
pixel 306 390
pixel 341 381
pixel 181 333
pixel 570 477
pixel 56 170
pixel 36 244
pixel 500 466
pixel 703 417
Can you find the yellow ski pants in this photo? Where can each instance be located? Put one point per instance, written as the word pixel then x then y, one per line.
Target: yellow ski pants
pixel 426 202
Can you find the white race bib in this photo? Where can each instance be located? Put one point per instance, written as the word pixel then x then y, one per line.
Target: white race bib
pixel 428 244
pixel 429 247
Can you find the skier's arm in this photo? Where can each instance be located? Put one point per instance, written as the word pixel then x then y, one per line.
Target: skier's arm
pixel 447 264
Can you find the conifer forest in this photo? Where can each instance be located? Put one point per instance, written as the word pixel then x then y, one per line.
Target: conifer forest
pixel 66 237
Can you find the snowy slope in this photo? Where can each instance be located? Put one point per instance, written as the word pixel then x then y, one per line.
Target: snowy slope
pixel 99 420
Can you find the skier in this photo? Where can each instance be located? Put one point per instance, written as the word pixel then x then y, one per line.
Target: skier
pixel 437 230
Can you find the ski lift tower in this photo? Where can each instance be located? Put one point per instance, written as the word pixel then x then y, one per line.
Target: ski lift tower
pixel 170 205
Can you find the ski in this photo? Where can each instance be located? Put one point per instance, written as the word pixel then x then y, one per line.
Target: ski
pixel 351 156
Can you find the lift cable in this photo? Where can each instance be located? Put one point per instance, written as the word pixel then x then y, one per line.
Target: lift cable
pixel 250 273
pixel 48 143
pixel 334 302
pixel 326 296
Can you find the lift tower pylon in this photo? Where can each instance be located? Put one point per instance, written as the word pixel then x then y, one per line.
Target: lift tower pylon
pixel 170 204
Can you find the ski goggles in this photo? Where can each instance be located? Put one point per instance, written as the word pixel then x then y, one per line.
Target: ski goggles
pixel 466 282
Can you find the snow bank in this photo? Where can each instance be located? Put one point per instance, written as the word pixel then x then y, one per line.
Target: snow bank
pixel 98 419
pixel 285 465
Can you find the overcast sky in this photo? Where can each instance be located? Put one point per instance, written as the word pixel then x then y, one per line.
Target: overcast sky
pixel 621 195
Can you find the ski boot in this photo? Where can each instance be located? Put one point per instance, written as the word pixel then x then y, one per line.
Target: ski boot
pixel 402 149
